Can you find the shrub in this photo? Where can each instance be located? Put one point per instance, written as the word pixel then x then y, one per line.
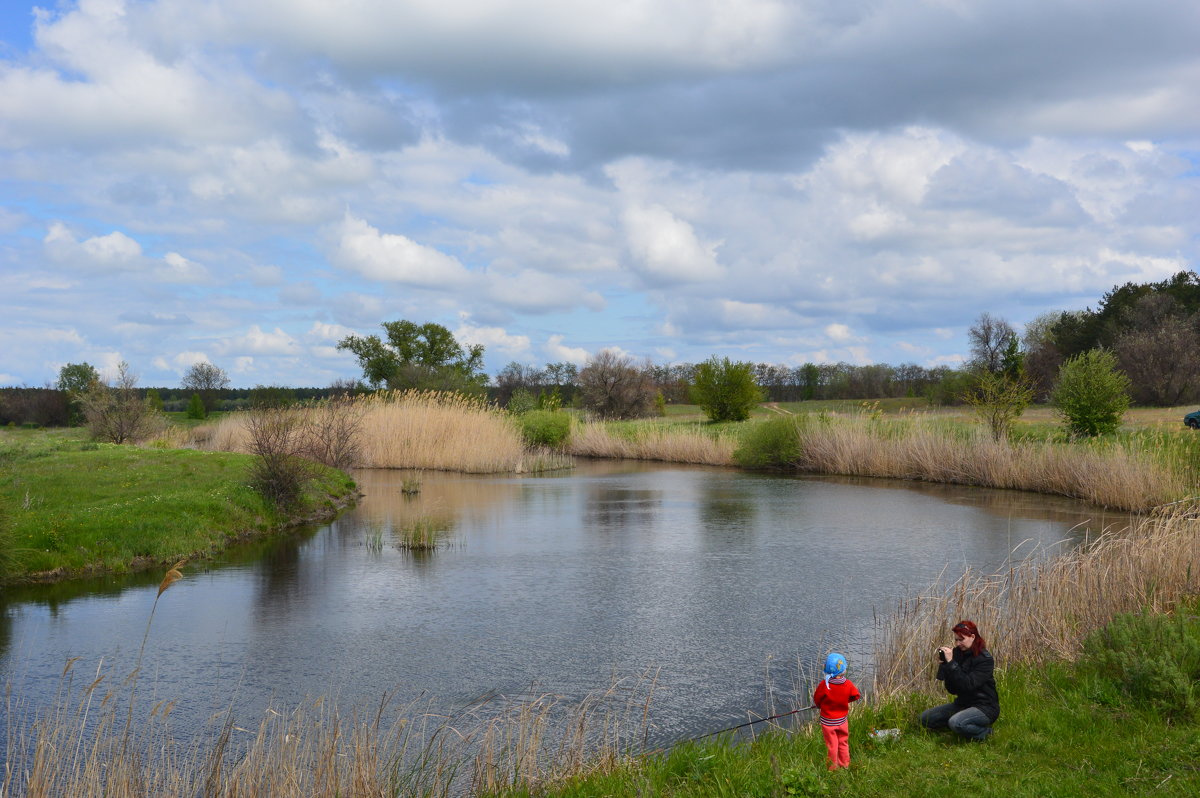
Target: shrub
pixel 195 408
pixel 279 473
pixel 611 385
pixel 725 391
pixel 1151 660
pixel 521 402
pixel 1091 394
pixel 999 400
pixel 772 444
pixel 545 428
pixel 333 432
pixel 118 413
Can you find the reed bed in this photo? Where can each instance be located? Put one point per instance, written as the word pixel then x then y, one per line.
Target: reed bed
pixel 1118 475
pixel 83 747
pixel 652 442
pixel 1041 610
pixel 417 429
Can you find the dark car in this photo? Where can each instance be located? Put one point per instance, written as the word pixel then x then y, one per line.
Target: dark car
pixel 1192 419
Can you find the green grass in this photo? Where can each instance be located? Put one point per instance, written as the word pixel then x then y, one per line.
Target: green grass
pixel 71 506
pixel 1052 740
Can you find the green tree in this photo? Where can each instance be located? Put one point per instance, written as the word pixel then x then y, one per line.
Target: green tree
pixel 810 379
pixel 272 396
pixel 725 391
pixel 195 408
pixel 1091 395
pixel 154 400
pixel 74 379
pixel 424 356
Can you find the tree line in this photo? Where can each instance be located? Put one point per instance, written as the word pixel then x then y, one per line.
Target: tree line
pixel 1150 331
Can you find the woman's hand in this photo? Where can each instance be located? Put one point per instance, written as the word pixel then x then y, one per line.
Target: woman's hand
pixel 947 653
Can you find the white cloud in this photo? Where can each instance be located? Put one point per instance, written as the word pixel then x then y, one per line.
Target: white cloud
pixel 493 338
pixel 556 352
pixel 390 257
pixel 534 291
pixel 185 360
pixel 179 269
pixel 666 249
pixel 322 331
pixel 108 253
pixel 257 342
pixel 839 332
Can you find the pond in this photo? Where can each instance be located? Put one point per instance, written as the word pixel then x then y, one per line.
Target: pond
pixel 722 584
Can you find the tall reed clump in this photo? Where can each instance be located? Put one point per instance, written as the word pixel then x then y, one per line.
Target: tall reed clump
pixel 412 429
pixel 653 442
pixel 1043 610
pixel 1115 474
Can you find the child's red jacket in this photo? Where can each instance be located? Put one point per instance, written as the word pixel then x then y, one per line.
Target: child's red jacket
pixel 834 700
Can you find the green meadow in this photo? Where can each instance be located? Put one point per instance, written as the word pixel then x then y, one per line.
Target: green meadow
pixel 70 506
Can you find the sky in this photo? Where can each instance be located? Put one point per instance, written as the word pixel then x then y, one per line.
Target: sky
pixel 247 182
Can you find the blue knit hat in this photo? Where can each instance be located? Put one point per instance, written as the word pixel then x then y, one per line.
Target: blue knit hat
pixel 835 665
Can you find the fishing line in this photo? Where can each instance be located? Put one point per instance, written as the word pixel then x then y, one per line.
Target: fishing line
pixel 731 728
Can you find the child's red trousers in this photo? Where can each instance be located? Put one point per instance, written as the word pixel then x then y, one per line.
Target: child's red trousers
pixel 837 743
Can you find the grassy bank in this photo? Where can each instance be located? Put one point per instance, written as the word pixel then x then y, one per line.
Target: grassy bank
pixel 71 506
pixel 1067 729
pixel 1054 739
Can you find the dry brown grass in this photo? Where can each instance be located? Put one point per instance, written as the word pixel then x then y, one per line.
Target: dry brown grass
pixel 652 442
pixel 1117 477
pixel 1041 610
pixel 422 429
pixel 319 748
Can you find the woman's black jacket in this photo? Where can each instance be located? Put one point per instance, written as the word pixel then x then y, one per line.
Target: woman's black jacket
pixel 970 678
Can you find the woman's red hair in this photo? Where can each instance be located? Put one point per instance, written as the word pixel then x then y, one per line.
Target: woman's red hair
pixel 965 628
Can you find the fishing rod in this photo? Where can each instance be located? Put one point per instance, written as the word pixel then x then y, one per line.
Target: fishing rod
pixel 731 728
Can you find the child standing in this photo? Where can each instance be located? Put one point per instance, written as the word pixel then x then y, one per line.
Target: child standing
pixel 832 698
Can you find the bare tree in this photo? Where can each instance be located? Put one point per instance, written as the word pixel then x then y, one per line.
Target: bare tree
pixel 208 381
pixel 118 413
pixel 1160 352
pixel 989 338
pixel 612 386
pixel 518 376
pixel 1042 356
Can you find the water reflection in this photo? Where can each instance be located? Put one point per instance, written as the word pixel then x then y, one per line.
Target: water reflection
pixel 721 579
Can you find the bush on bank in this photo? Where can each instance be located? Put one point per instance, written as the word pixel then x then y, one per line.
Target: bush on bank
pixel 545 428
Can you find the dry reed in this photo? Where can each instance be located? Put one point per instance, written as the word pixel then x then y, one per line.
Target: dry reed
pixel 652 442
pixel 319 748
pixel 1118 476
pixel 416 429
pixel 1040 610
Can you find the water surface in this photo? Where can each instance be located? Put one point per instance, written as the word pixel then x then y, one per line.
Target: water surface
pixel 718 581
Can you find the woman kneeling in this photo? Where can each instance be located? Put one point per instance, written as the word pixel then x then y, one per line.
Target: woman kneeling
pixel 968 673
